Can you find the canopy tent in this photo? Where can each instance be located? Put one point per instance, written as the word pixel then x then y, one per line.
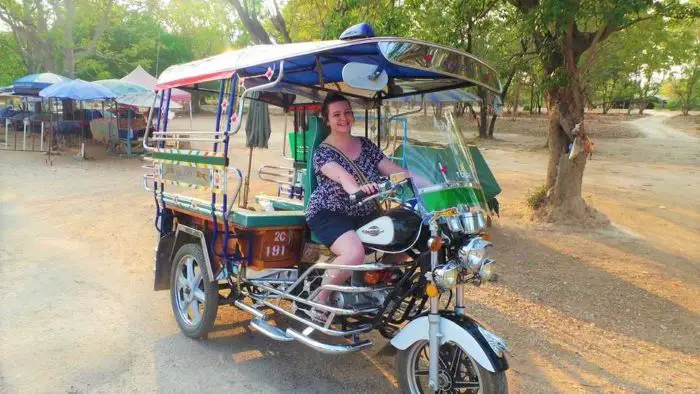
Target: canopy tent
pixel 30 85
pixel 144 99
pixel 77 90
pixel 122 87
pixel 140 76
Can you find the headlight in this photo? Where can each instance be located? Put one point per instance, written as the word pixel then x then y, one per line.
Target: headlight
pixel 473 255
pixel 486 272
pixel 445 276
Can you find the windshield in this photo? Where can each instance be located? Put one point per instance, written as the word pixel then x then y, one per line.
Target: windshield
pixel 444 172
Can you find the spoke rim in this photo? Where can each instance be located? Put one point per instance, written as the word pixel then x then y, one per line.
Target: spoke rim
pixel 454 363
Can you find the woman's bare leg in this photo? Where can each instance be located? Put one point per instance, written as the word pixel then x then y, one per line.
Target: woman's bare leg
pixel 349 251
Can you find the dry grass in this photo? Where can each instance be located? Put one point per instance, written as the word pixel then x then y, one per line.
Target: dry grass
pixel 688 123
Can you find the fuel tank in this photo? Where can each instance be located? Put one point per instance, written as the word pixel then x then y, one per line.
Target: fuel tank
pixel 396 231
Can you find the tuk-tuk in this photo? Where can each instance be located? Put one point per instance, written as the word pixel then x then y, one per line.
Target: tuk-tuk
pixel 217 249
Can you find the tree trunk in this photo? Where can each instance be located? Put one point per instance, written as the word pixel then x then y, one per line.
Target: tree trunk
pixel 565 108
pixel 483 113
pixel 516 98
pixel 492 125
pixel 69 49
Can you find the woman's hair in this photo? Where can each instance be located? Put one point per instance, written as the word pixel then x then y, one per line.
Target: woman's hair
pixel 330 99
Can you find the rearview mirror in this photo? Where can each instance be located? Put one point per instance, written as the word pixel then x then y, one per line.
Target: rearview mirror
pixel 365 76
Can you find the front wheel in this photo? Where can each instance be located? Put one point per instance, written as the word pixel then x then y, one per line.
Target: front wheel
pixel 457 372
pixel 193 297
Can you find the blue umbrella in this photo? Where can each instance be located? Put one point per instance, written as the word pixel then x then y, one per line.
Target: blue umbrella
pixel 121 87
pixel 33 83
pixel 78 90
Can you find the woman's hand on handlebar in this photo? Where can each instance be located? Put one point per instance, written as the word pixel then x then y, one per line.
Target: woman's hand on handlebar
pixel 369 188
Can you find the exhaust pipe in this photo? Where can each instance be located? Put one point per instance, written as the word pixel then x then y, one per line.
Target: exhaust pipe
pixel 328 348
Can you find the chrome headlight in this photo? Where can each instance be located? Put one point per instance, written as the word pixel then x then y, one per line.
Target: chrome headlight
pixel 473 255
pixel 486 272
pixel 445 276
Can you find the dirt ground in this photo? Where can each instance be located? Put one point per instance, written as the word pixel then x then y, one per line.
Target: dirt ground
pixel 689 123
pixel 614 309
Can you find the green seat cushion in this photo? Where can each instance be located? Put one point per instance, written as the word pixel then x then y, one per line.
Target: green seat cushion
pixel 253 219
pixel 281 203
pixel 317 132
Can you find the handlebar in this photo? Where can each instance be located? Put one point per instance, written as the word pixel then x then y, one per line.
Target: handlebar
pixel 359 196
pixel 383 187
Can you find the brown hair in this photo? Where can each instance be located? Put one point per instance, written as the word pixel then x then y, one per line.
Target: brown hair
pixel 330 99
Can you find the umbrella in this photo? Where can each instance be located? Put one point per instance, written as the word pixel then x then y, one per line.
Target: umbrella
pixel 257 127
pixel 121 87
pixel 257 133
pixel 77 90
pixel 33 83
pixel 144 99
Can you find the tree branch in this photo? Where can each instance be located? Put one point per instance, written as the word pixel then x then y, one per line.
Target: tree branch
pixel 280 25
pixel 251 23
pixel 101 28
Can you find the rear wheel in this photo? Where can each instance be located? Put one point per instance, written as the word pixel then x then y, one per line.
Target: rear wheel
pixel 457 372
pixel 193 297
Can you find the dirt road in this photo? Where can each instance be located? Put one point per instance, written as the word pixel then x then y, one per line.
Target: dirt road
pixel 615 309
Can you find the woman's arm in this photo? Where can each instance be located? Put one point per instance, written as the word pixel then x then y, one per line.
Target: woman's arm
pixel 337 173
pixel 388 167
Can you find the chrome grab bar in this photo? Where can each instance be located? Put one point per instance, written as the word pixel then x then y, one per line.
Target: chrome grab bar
pixel 339 267
pixel 287 177
pixel 251 90
pixel 332 309
pixel 226 134
pixel 335 333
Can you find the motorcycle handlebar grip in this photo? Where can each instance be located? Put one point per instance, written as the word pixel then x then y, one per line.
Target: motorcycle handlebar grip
pixel 358 196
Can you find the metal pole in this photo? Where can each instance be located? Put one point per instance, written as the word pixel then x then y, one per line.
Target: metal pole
pixel 191 129
pixel 247 179
pixel 24 136
pixel 7 133
pixel 433 321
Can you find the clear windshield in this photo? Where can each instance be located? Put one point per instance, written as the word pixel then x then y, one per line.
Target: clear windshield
pixel 441 161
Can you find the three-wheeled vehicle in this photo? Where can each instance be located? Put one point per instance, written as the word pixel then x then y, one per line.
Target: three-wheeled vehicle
pixel 212 251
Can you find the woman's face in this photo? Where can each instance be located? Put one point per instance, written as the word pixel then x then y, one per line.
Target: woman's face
pixel 340 117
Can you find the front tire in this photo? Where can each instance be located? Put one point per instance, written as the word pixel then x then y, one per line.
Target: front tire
pixel 193 297
pixel 457 372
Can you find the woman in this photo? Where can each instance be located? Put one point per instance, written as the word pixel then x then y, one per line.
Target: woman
pixel 330 214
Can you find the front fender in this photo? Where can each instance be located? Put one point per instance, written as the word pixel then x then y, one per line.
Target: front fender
pixel 461 330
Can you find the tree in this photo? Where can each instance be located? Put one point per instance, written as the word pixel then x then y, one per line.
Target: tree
pixel 44 31
pixel 251 12
pixel 12 66
pixel 562 33
pixel 685 54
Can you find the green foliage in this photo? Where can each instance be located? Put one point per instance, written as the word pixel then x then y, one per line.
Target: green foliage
pixel 537 197
pixel 11 66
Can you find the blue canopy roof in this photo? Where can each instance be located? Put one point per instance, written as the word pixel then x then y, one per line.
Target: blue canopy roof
pixel 78 90
pixel 412 66
pixel 33 83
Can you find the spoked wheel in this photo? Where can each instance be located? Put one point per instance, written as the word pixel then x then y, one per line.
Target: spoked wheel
pixel 457 372
pixel 193 297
